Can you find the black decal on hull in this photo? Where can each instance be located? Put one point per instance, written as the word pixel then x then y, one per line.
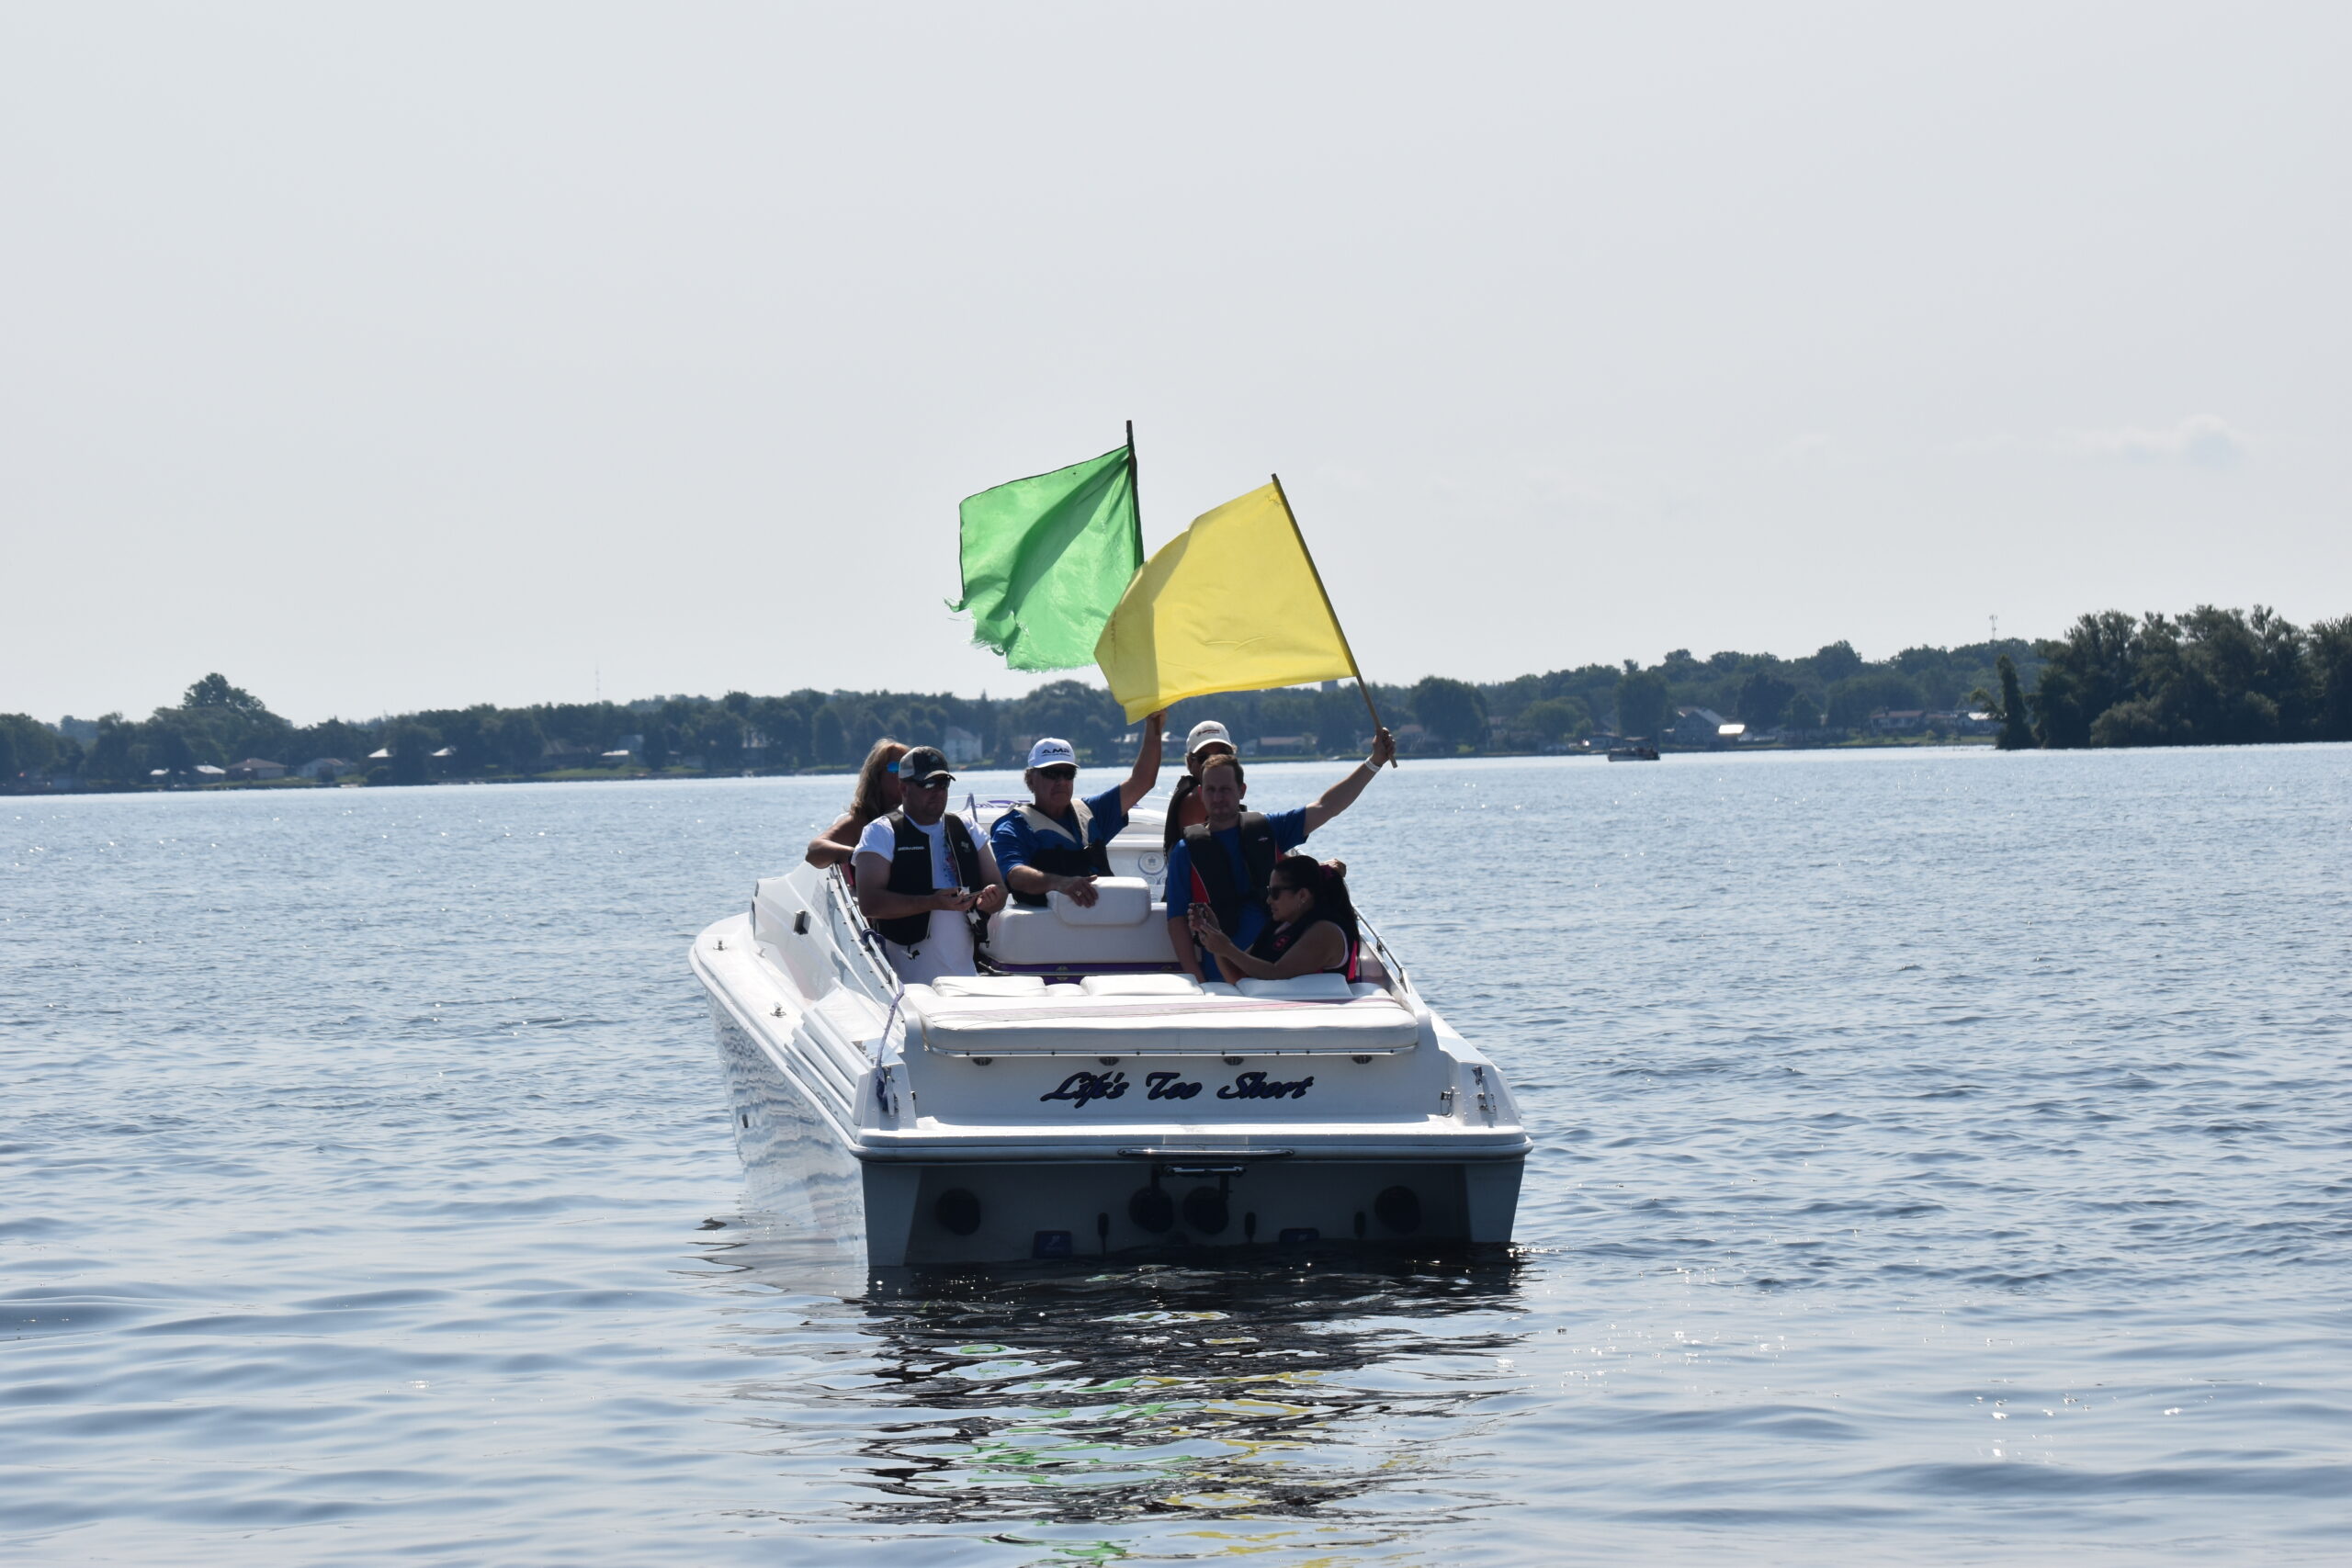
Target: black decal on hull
pixel 1253 1086
pixel 1081 1087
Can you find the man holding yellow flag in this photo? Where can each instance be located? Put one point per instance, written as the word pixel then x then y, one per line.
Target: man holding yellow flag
pixel 1224 863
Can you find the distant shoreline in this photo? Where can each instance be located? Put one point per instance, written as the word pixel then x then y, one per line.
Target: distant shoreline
pixel 636 775
pixel 2208 677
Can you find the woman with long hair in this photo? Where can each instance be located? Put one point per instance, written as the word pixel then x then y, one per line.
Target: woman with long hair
pixel 876 796
pixel 1313 931
pixel 1208 739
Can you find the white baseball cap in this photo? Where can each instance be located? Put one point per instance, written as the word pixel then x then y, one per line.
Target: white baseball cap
pixel 1208 732
pixel 1049 752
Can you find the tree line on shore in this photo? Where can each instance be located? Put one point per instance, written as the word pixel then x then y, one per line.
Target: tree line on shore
pixel 2212 676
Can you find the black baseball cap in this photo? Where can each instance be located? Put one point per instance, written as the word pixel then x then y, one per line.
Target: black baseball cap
pixel 924 764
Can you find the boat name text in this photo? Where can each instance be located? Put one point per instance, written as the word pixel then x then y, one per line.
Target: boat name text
pixel 1082 1088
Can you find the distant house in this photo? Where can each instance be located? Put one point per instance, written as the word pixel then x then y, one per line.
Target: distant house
pixel 208 772
pixel 1730 734
pixel 963 746
pixel 444 754
pixel 326 769
pixel 257 768
pixel 1412 738
pixel 564 755
pixel 1898 721
pixel 382 755
pixel 1283 745
pixel 1696 727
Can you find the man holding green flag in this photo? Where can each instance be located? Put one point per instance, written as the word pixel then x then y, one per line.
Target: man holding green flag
pixel 1046 559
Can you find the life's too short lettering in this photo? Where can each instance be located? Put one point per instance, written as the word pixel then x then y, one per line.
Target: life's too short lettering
pixel 1081 1087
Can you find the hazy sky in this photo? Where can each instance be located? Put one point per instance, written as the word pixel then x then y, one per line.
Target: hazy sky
pixel 405 356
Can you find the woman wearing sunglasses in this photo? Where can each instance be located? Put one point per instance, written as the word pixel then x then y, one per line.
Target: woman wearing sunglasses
pixel 1312 929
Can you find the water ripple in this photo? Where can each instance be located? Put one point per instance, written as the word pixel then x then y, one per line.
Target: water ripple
pixel 1940 1159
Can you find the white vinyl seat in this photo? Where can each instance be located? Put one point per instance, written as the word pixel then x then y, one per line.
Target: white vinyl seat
pixel 1140 986
pixel 1024 937
pixel 1118 901
pixel 1300 989
pixel 988 986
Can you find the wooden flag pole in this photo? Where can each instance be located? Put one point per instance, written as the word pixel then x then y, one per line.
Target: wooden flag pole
pixel 1345 646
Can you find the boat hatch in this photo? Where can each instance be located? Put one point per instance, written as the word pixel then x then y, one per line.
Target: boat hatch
pixel 1156 1015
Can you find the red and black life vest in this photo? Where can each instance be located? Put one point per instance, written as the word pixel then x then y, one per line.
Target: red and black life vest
pixel 1213 868
pixel 1275 940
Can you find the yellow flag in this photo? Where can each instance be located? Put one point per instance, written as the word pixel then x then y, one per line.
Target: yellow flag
pixel 1233 604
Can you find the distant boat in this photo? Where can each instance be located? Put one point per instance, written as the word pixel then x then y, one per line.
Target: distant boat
pixel 1635 751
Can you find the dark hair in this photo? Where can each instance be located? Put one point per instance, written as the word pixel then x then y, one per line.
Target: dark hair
pixel 1174 831
pixel 1185 787
pixel 1327 880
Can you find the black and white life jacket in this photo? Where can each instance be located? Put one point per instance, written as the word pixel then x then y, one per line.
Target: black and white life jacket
pixel 910 872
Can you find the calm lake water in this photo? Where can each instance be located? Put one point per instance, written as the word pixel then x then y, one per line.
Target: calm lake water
pixel 1942 1156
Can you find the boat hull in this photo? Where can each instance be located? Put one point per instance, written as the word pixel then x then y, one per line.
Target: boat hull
pixel 870 1120
pixel 900 1209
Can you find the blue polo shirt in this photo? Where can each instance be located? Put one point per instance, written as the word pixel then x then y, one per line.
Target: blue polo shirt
pixel 1290 831
pixel 1016 843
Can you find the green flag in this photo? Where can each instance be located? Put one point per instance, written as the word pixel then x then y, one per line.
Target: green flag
pixel 1046 558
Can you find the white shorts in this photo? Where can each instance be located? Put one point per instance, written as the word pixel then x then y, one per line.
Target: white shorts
pixel 947 951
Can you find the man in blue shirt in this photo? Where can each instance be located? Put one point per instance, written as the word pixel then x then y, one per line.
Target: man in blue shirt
pixel 1250 844
pixel 1056 845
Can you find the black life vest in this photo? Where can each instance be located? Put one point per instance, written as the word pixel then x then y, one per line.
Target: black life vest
pixel 910 872
pixel 1213 867
pixel 1275 940
pixel 1056 855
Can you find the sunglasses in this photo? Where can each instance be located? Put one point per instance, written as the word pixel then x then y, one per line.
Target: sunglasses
pixel 1058 771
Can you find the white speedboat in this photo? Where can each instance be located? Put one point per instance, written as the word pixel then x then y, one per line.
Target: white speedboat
pixel 1082 1096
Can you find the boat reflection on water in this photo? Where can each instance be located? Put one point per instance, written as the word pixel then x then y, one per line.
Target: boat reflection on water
pixel 1329 1398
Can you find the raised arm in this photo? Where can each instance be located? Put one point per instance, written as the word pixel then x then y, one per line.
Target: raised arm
pixel 1146 773
pixel 1342 795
